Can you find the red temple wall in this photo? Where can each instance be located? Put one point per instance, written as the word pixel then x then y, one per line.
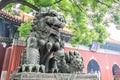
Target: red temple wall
pixel 105 61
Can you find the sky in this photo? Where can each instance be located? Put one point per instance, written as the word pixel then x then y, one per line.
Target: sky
pixel 114 33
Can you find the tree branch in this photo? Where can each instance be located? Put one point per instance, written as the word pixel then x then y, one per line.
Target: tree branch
pixel 3 3
pixel 117 2
pixel 78 6
pixel 57 1
pixel 29 5
pixel 103 3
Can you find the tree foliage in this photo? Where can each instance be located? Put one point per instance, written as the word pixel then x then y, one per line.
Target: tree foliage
pixel 25 28
pixel 77 11
pixel 101 31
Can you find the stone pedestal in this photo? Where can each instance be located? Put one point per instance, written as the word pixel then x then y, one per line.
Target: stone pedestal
pixel 52 76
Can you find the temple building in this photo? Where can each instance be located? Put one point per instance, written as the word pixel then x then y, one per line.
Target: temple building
pixel 8 26
pixel 8 31
pixel 100 59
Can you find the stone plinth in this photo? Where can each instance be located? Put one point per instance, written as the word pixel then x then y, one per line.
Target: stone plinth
pixel 52 76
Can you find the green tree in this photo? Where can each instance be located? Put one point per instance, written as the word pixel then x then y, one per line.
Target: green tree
pixel 102 34
pixel 77 10
pixel 25 28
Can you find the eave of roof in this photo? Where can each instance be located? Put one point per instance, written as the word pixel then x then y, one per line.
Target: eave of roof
pixel 113 41
pixel 7 15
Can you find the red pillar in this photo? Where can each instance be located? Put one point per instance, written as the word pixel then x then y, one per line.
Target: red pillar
pixel 6 63
pixel 15 56
pixel 2 55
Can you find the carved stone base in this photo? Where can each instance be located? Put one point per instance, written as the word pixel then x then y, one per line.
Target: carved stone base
pixel 52 76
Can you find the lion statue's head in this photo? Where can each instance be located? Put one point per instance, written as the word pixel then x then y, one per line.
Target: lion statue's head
pixel 50 18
